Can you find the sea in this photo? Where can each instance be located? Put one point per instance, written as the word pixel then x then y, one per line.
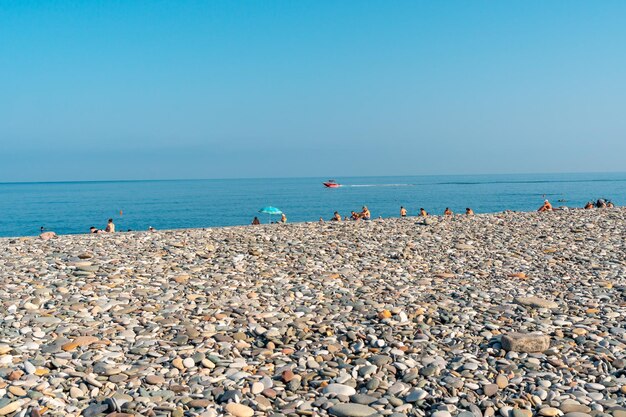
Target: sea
pixel 73 207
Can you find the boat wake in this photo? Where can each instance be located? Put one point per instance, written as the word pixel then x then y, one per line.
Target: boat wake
pixel 378 185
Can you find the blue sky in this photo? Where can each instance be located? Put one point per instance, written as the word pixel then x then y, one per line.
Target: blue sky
pixel 178 89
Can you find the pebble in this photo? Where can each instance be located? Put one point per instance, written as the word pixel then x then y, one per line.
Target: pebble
pixel 351 410
pixel 549 412
pixel 239 410
pixel 525 342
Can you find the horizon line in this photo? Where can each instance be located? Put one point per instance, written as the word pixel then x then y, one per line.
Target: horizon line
pixel 301 177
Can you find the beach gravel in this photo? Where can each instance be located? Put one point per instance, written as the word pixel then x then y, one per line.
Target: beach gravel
pixel 511 314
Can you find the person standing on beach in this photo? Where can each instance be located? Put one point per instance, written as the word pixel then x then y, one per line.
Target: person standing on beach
pixel 402 211
pixel 110 227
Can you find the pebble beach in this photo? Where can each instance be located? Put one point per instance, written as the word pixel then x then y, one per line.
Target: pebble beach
pixel 509 315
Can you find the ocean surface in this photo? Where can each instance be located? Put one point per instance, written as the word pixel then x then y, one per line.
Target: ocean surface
pixel 72 207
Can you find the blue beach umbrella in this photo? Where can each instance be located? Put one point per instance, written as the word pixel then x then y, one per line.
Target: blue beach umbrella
pixel 269 210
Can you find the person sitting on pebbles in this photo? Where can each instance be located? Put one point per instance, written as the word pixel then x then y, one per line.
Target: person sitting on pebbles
pixel 256 220
pixel 93 230
pixel 610 204
pixel 546 207
pixel 447 212
pixel 469 211
pixel 365 214
pixel 423 213
pixel 110 227
pixel 402 211
pixel 589 205
pixel 354 216
pixel 336 217
pixel 283 218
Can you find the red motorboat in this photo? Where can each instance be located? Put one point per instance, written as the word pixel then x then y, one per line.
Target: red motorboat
pixel 331 184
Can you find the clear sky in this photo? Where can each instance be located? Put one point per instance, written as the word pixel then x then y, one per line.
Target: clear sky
pixel 209 89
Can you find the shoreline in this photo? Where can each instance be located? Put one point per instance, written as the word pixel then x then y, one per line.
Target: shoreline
pixel 326 221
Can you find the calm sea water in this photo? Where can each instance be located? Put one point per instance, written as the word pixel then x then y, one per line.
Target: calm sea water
pixel 72 207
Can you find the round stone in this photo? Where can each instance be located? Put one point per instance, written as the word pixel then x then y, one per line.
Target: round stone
pixel 239 410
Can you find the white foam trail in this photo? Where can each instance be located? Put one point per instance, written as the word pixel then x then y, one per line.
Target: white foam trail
pixel 378 185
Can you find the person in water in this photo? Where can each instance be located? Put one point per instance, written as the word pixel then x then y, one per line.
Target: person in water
pixel 589 205
pixel 546 206
pixel 336 217
pixel 402 211
pixel 283 218
pixel 469 211
pixel 365 214
pixel 110 227
pixel 447 212
pixel 256 220
pixel 423 212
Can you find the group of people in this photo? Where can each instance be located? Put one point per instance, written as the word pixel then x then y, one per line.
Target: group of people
pixel 110 228
pixel 364 214
pixel 600 203
pixel 283 219
pixel 446 212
